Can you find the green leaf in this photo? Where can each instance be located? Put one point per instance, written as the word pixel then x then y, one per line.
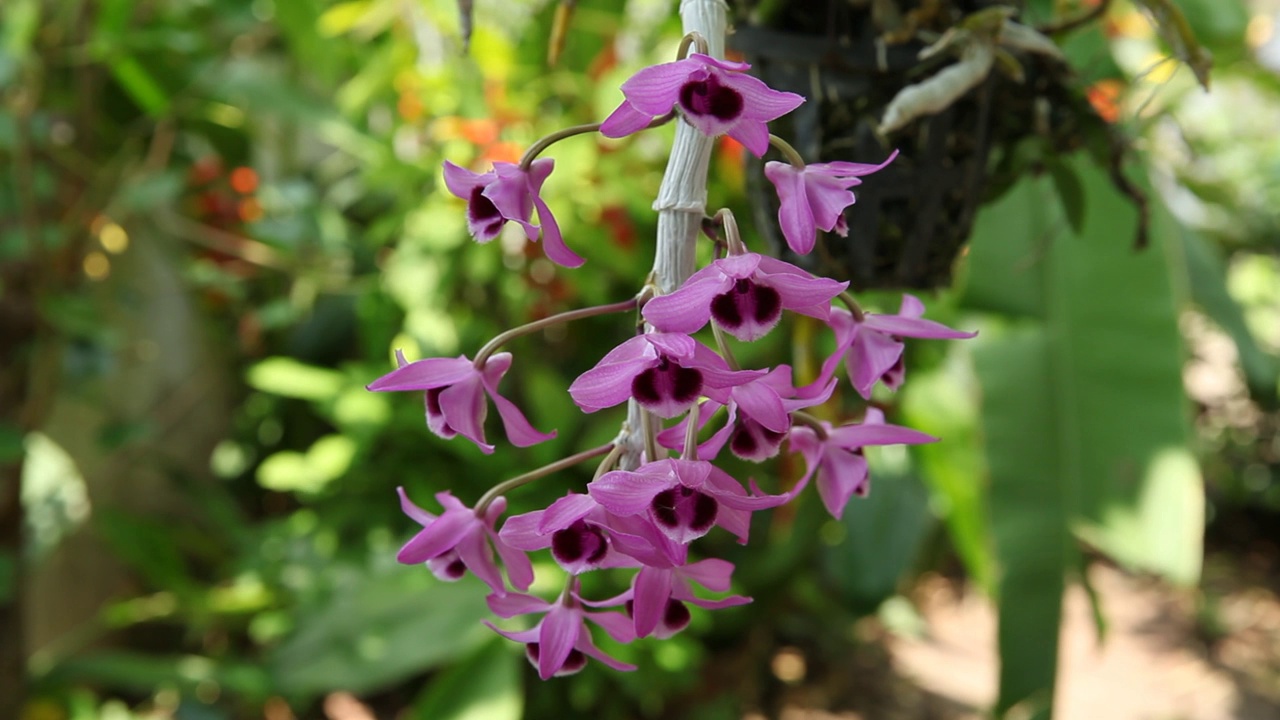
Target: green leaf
pixel 287 377
pixel 389 625
pixel 1029 502
pixel 882 535
pixel 486 686
pixel 1086 425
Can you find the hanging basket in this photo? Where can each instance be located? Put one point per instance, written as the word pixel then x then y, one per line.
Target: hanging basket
pixel 911 219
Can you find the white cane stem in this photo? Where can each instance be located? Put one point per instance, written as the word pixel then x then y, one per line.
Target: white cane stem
pixel 682 198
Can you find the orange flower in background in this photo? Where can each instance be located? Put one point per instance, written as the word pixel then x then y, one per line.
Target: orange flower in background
pixel 1105 96
pixel 244 180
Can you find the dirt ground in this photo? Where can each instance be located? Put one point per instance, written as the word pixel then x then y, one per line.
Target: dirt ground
pixel 1168 655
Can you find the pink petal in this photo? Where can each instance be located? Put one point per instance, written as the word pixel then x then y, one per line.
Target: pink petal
pixel 618 626
pixel 856 436
pixel 566 511
pixel 425 375
pixel 407 506
pixel 761 102
pixel 794 214
pixel 438 537
pixel 652 588
pixel 625 493
pixel 686 310
pixel 556 638
pixel 462 182
pixel 761 403
pixel 842 473
pixel 510 193
pixel 827 200
pixel 913 327
pixel 464 408
pixel 753 134
pixel 850 169
pixel 713 573
pixel 870 357
pixel 802 292
pixel 474 550
pixel 656 89
pixel 513 604
pixel 521 532
pixel 609 382
pixel 552 241
pixel 626 119
pixel 589 649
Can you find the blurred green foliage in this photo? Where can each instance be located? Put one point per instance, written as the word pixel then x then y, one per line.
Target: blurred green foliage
pixel 282 156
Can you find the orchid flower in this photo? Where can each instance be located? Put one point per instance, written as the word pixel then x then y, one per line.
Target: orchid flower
pixel 759 416
pixel 561 642
pixel 509 193
pixel 454 393
pixel 872 349
pixel 814 197
pixel 745 294
pixel 682 498
pixel 460 540
pixel 657 596
pixel 580 532
pixel 714 96
pixel 666 373
pixel 835 455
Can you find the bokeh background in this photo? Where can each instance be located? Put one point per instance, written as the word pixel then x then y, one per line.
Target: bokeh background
pixel 219 217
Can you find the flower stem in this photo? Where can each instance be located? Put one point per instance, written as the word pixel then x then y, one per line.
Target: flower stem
pixel 691 434
pixel 733 238
pixel 694 39
pixel 854 307
pixel 609 462
pixel 788 152
pixel 498 490
pixel 650 435
pixel 804 418
pixel 723 346
pixel 502 339
pixel 545 142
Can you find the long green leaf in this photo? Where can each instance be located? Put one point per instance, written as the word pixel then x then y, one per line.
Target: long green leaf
pixel 1085 419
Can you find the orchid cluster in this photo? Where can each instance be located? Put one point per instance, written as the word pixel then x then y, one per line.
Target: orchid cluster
pixel 644 509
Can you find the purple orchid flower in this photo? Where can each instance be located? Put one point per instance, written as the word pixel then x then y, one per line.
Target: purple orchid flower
pixel 665 372
pixel 682 498
pixel 815 197
pixel 838 458
pixel 657 596
pixel 561 642
pixel 872 349
pixel 714 96
pixel 745 294
pixel 454 393
pixel 508 193
pixel 579 531
pixel 460 540
pixel 759 416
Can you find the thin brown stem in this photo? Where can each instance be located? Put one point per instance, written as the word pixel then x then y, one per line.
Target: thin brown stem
pixel 854 307
pixel 507 485
pixel 502 339
pixel 695 40
pixel 788 152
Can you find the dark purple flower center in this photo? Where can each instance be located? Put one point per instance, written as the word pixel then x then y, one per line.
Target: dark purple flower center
pixel 447 565
pixel 675 616
pixel 435 414
pixel 753 441
pixel 572 664
pixel 709 97
pixel 667 385
pixel 579 543
pixel 683 507
pixel 747 304
pixel 485 219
